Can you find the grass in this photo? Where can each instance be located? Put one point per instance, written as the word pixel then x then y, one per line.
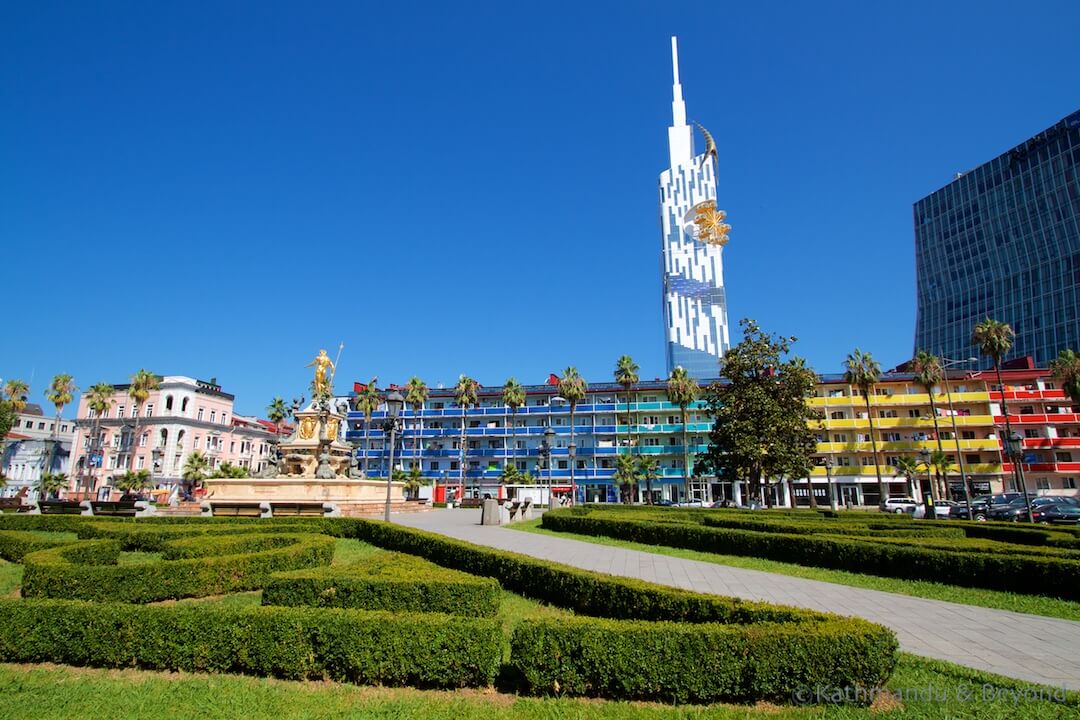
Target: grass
pixel 56 692
pixel 10 578
pixel 998 600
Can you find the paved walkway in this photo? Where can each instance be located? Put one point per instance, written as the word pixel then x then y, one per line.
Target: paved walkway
pixel 1027 647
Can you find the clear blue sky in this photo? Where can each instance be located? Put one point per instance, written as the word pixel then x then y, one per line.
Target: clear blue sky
pixel 220 189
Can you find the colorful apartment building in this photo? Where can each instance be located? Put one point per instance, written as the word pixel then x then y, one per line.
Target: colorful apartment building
pixel 181 416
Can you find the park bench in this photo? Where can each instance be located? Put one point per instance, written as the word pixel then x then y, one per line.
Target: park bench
pixel 14 504
pixel 470 503
pixel 60 507
pixel 121 508
pixel 297 509
pixel 236 509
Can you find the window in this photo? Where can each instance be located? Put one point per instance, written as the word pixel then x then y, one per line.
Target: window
pixel 1042 483
pixel 1027 410
pixel 29 424
pixel 839 437
pixel 433 466
pixel 183 405
pixel 143 438
pixel 1031 433
pixel 1068 483
pixel 838 415
pixel 134 411
pixel 91 413
pixel 199 415
pixel 41 426
pixel 967 434
pixel 563 465
pixel 866 461
pixel 887 413
pixel 168 402
pixel 63 428
pixel 890 437
pixel 843 461
pixel 232 447
pixel 1063 456
pixel 672 419
pixel 914 413
pixel 972 459
pixel 149 410
pixel 195 444
pixel 119 411
pixel 580 464
pixel 453 464
pixel 224 418
pixel 139 462
pixel 213 415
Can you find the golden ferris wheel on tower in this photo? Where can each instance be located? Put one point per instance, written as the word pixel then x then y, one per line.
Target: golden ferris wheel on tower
pixel 711 228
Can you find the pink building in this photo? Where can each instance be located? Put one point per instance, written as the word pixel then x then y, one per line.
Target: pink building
pixel 183 415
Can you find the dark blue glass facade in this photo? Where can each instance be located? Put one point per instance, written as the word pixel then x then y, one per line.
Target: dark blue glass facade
pixel 1003 241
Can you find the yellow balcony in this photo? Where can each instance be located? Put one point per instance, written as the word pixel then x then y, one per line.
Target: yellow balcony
pixel 902 445
pixel 944 423
pixel 900 399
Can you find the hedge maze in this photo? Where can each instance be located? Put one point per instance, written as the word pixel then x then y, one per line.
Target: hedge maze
pixel 424 613
pixel 1032 560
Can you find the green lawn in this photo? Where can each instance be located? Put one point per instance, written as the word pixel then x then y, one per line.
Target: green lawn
pixel 56 692
pixel 1029 604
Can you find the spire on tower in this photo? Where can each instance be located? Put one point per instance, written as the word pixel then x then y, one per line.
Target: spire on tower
pixel 680 135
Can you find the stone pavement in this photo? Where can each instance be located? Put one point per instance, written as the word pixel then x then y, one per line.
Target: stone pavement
pixel 1026 647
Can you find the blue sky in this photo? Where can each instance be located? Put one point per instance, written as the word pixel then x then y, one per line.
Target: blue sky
pixel 220 189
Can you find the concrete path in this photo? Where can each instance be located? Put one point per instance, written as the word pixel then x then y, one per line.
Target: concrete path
pixel 1026 647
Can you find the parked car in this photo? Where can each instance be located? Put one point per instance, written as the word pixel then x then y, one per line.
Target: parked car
pixel 942 510
pixel 981 505
pixel 1015 511
pixel 1056 513
pixel 901 505
pixel 1056 500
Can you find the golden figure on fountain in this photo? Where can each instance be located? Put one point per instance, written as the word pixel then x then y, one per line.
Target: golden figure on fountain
pixel 322 363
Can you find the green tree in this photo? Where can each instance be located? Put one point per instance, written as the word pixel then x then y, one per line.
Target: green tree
pixel 228 470
pixel 195 470
pixel 908 467
pixel 572 387
pixel 683 390
pixel 939 460
pixel 416 394
pixel 59 393
pixel 995 339
pixel 465 396
pixel 648 469
pixel 513 397
pixel 761 420
pixel 134 481
pixel 510 474
pixel 1065 368
pixel 17 392
pixel 863 371
pixel 50 484
pixel 367 401
pixel 142 384
pixel 12 402
pixel 415 480
pixel 99 400
pixel 626 374
pixel 928 373
pixel 276 412
pixel 626 477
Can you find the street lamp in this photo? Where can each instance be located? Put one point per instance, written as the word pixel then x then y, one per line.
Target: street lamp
pixel 572 451
pixel 1014 448
pixel 394 403
pixel 828 476
pixel 545 452
pixel 924 455
pixel 946 363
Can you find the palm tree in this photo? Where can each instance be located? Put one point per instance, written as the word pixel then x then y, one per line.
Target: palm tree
pixel 513 397
pixel 626 374
pixel 367 401
pixel 228 470
pixel 682 390
pixel 465 396
pixel 415 480
pixel 939 460
pixel 59 393
pixel 994 339
pixel 16 391
pixel 51 484
pixel 647 466
pixel 99 399
pixel 194 471
pixel 276 412
pixel 416 394
pixel 928 373
pixel 132 481
pixel 908 467
pixel 143 383
pixel 863 372
pixel 626 476
pixel 572 388
pixel 1066 370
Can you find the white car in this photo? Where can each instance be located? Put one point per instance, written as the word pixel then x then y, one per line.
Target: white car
pixel 901 505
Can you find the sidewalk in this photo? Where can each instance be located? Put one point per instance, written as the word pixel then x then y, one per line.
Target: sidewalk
pixel 1026 647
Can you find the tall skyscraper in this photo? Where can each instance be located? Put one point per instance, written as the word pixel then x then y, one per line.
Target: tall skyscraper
pixel 695 306
pixel 1003 241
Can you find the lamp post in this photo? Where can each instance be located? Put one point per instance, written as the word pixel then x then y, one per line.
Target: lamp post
pixel 394 403
pixel 545 453
pixel 572 452
pixel 946 363
pixel 924 455
pixel 828 476
pixel 1014 448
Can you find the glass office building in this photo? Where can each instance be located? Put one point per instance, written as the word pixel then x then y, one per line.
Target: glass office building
pixel 695 306
pixel 1003 241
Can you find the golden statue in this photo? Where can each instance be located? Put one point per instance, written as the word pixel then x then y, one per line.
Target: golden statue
pixel 307 427
pixel 710 223
pixel 332 429
pixel 322 363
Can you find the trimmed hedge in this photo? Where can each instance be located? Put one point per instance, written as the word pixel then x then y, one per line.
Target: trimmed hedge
pixel 1032 575
pixel 389 581
pixel 15 544
pixel 68 572
pixel 427 650
pixel 707 663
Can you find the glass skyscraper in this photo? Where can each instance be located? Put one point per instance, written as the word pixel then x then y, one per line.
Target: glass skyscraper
pixel 695 307
pixel 1003 241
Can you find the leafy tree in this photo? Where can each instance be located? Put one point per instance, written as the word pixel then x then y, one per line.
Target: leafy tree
pixel 626 374
pixel 995 339
pixel 513 397
pixel 760 415
pixel 228 470
pixel 12 402
pixel 276 412
pixel 50 484
pixel 863 371
pixel 415 480
pixel 195 470
pixel 143 383
pixel 466 396
pixel 99 400
pixel 626 476
pixel 928 373
pixel 132 481
pixel 939 460
pixel 367 401
pixel 16 392
pixel 416 394
pixel 572 387
pixel 908 467
pixel 648 468
pixel 510 474
pixel 59 393
pixel 683 390
pixel 1066 370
